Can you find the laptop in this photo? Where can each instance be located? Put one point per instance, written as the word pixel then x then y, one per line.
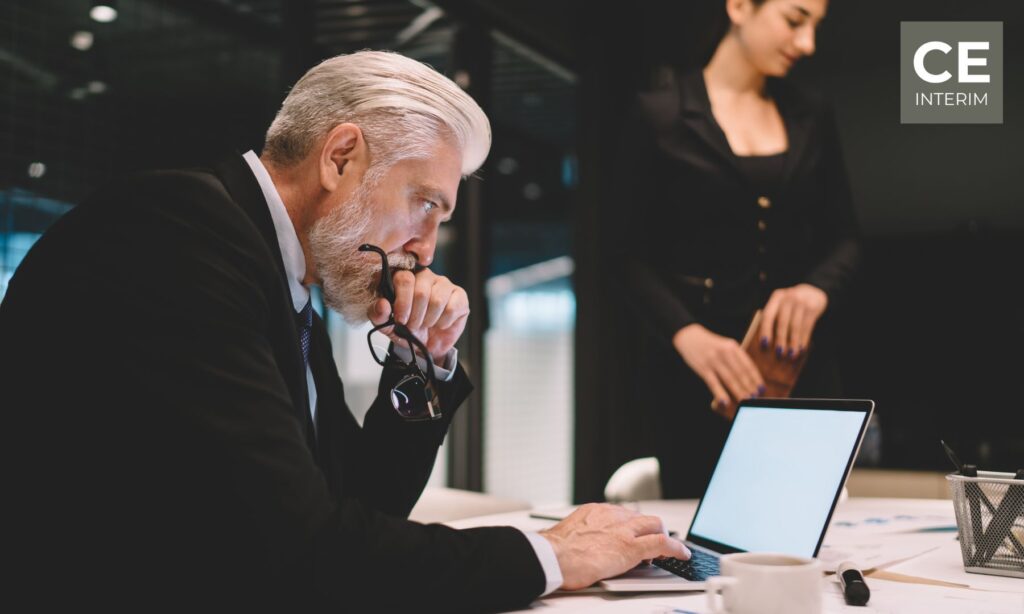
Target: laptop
pixel 774 488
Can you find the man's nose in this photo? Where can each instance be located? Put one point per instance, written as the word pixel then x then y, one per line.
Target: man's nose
pixel 423 247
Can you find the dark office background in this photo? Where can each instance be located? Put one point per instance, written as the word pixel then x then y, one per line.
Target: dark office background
pixel 935 334
pixel 935 331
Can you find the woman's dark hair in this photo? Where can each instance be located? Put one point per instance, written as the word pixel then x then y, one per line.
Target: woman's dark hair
pixel 680 35
pixel 719 28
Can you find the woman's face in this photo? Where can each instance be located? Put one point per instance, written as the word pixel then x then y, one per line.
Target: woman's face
pixel 776 33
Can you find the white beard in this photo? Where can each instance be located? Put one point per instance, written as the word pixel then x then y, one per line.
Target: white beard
pixel 349 276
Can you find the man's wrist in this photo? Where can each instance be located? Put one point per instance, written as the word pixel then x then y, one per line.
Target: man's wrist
pixel 547 555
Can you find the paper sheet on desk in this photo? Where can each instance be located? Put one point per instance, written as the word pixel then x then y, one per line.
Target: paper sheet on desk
pixel 876 551
pixel 900 598
pixel 881 524
pixel 875 540
pixel 947 564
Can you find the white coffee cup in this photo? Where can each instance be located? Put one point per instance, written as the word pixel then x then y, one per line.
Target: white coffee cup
pixel 766 583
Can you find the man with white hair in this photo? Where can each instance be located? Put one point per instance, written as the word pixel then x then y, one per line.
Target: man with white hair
pixel 180 427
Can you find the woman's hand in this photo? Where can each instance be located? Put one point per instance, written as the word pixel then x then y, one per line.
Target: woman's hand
pixel 789 318
pixel 720 361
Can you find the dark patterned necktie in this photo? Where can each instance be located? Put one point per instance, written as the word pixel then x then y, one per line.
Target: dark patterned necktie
pixel 305 321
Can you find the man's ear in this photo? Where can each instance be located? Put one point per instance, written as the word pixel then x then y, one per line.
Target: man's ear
pixel 344 157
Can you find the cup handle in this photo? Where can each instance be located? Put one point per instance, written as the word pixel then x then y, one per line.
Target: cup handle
pixel 713 588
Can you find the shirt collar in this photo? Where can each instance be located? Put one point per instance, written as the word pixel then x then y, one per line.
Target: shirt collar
pixel 287 239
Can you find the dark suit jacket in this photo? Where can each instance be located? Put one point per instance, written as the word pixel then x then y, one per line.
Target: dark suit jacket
pixel 161 450
pixel 708 250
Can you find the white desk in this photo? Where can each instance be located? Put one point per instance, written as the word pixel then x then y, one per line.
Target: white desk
pixel 876 529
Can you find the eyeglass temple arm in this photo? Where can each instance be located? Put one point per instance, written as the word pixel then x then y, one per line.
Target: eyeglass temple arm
pixel 385 287
pixel 412 340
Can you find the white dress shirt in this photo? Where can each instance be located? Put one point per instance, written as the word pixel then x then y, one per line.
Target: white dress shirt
pixel 295 270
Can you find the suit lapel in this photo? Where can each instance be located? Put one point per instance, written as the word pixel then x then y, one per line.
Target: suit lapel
pixel 241 184
pixel 695 110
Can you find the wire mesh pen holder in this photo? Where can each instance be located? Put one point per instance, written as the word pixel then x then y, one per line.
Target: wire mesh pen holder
pixel 990 521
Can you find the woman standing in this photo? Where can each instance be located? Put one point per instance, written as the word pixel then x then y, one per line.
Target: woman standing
pixel 742 202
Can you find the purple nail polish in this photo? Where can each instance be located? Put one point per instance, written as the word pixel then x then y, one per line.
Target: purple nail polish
pixel 778 351
pixel 789 353
pixel 761 389
pixel 764 343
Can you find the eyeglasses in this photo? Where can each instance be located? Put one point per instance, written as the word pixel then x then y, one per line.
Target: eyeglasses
pixel 414 397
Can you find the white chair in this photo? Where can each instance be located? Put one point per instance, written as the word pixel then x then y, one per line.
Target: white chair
pixel 637 480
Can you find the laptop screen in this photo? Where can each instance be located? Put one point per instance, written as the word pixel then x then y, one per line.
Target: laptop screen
pixel 778 477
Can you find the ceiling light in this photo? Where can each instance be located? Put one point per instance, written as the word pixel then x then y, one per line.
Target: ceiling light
pixel 507 165
pixel 532 191
pixel 82 40
pixel 103 11
pixel 96 87
pixel 36 170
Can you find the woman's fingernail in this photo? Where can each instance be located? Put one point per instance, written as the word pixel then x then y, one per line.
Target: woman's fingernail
pixel 764 343
pixel 778 351
pixel 789 353
pixel 761 389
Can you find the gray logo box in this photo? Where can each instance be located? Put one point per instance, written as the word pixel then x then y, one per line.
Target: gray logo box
pixel 952 101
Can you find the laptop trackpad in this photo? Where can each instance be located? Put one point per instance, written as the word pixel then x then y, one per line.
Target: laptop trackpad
pixel 649 578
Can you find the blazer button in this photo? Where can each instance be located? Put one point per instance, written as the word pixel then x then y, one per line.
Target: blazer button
pixel 762 225
pixel 762 276
pixel 764 202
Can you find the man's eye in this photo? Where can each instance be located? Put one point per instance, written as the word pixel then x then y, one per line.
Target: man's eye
pixel 428 206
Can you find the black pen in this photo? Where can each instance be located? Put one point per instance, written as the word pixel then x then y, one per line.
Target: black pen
pixel 540 516
pixel 855 589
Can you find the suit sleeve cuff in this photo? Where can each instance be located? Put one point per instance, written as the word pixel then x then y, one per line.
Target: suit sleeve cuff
pixel 548 561
pixel 444 373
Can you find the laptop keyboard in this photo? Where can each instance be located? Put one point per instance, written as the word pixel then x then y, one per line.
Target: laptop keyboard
pixel 701 566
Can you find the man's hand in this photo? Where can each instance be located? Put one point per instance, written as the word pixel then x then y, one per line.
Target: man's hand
pixel 726 369
pixel 599 541
pixel 789 318
pixel 431 307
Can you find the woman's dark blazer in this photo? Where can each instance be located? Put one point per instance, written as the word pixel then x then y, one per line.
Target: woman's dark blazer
pixel 715 246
